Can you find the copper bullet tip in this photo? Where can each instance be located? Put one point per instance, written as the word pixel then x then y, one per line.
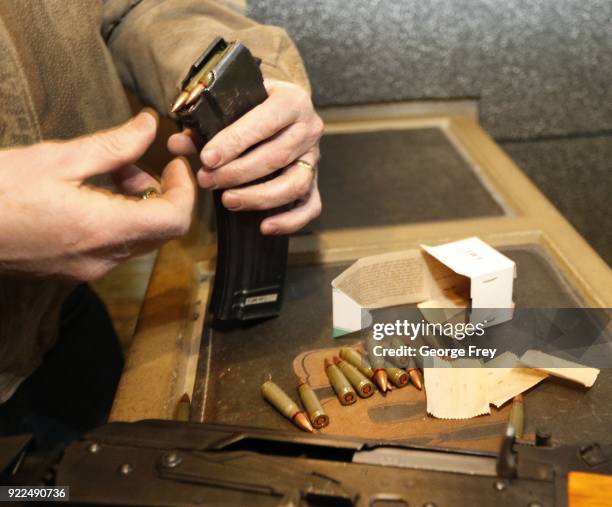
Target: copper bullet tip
pixel 327 363
pixel 518 398
pixel 337 360
pixel 180 101
pixel 415 378
pixel 185 399
pixel 195 93
pixel 302 422
pixel 381 379
pixel 299 380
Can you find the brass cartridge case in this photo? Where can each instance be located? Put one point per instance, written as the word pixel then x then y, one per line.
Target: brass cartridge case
pixel 316 413
pixel 285 405
pixel 358 360
pixel 342 387
pixel 517 416
pixel 182 412
pixel 363 385
pixel 398 377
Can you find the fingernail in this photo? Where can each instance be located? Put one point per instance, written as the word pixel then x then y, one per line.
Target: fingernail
pixel 211 157
pixel 206 180
pixel 231 200
pixel 270 228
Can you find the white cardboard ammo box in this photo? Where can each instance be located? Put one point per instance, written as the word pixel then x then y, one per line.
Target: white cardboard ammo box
pixel 463 274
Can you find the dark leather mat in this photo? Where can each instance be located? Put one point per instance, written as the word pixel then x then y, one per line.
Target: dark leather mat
pixel 418 171
pixel 240 359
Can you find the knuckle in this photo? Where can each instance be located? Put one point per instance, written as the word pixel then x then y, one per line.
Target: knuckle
pixel 230 175
pixel 302 98
pixel 301 186
pixel 318 127
pixel 270 122
pixel 282 158
pixel 236 140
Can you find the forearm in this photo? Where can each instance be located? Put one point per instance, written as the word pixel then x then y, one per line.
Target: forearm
pixel 154 42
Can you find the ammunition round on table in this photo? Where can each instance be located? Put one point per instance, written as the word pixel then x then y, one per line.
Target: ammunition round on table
pixel 342 387
pixel 517 416
pixel 182 412
pixel 316 413
pixel 402 361
pixel 363 385
pixel 398 377
pixel 358 360
pixel 378 365
pixel 285 405
pixel 415 377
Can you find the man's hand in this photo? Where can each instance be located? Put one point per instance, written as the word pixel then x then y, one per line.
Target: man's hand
pixel 285 128
pixel 53 224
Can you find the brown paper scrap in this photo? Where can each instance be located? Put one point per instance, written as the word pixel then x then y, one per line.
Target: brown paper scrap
pixel 456 392
pixel 560 367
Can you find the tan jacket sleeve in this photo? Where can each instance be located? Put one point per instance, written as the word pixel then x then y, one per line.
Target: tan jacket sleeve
pixel 154 42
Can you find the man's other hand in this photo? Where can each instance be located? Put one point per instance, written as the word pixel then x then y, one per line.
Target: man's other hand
pixel 52 223
pixel 277 133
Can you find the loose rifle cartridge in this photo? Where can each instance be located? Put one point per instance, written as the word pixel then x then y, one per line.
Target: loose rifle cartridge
pixel 378 365
pixel 221 86
pixel 359 361
pixel 363 385
pixel 316 413
pixel 342 387
pixel 399 361
pixel 398 377
pixel 182 412
pixel 285 405
pixel 517 416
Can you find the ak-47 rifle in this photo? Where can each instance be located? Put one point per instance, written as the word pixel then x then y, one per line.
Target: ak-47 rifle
pixel 171 463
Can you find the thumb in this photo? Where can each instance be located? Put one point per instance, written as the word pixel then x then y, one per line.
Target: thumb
pixel 111 149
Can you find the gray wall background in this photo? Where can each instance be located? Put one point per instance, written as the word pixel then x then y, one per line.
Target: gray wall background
pixel 541 70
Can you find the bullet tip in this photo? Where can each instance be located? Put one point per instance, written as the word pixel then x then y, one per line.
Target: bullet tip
pixel 185 398
pixel 302 422
pixel 337 360
pixel 327 362
pixel 179 102
pixel 415 378
pixel 299 380
pixel 381 379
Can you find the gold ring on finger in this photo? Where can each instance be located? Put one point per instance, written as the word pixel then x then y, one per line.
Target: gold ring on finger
pixel 306 165
pixel 150 193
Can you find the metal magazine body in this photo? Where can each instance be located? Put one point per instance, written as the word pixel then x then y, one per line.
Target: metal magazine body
pixel 251 267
